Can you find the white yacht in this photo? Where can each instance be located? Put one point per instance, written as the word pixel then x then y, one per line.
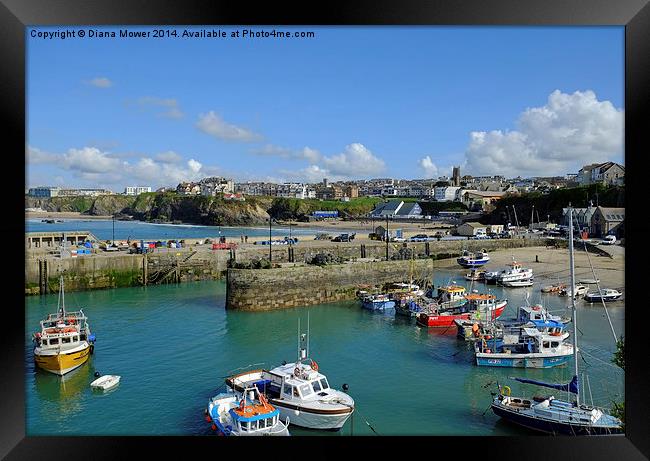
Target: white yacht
pixel 516 272
pixel 299 391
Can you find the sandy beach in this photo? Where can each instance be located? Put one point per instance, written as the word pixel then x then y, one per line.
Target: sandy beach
pixel 553 265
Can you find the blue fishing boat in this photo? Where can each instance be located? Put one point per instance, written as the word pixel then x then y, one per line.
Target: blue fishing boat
pixel 469 259
pixel 527 348
pixel 552 415
pixel 377 302
pixel 245 414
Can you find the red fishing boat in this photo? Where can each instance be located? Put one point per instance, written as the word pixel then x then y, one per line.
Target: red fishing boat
pixel 478 306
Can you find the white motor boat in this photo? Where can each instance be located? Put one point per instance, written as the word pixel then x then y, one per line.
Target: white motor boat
pixel 580 290
pixel 299 391
pixel 605 294
pixel 105 382
pixel 518 283
pixel 514 273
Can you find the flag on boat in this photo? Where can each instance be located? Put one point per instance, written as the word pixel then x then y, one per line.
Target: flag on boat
pixel 570 387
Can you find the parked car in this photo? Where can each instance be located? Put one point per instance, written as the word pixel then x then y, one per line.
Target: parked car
pixel 343 238
pixel 420 238
pixel 609 240
pixel 397 239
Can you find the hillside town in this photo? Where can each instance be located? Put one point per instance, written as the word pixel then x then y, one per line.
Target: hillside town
pixel 472 191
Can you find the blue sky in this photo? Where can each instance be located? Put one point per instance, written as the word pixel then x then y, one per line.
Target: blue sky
pixel 352 102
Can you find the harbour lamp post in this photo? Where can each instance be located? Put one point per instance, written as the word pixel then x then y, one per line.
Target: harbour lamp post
pixel 270 223
pixel 113 230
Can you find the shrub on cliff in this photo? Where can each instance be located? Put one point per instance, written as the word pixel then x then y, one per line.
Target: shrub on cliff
pixel 324 258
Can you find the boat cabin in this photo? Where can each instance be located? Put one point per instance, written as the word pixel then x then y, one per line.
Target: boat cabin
pixel 529 341
pixel 284 382
pixel 451 293
pixel 63 332
pixel 254 417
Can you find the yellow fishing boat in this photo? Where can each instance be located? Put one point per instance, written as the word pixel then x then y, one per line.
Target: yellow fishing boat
pixel 65 341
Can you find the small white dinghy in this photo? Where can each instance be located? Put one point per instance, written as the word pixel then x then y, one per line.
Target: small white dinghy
pixel 105 382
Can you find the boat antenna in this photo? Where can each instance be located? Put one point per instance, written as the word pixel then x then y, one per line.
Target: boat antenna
pixel 573 300
pixel 298 339
pixel 308 334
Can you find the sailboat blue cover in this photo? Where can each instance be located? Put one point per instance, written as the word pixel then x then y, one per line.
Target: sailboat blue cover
pixel 571 387
pixel 547 323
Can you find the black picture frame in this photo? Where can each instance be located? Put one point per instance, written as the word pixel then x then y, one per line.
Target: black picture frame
pixel 634 15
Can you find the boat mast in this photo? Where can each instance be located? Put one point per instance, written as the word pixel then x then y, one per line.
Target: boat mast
pixel 532 218
pixel 62 298
pixel 573 300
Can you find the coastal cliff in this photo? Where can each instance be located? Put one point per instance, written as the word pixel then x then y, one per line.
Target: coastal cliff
pixel 163 207
pixel 199 209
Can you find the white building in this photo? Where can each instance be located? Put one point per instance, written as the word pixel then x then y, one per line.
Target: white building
pixel 293 190
pixel 136 190
pixel 44 191
pixel 446 193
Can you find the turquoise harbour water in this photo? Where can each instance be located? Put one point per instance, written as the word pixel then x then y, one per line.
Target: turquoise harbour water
pixel 134 230
pixel 173 345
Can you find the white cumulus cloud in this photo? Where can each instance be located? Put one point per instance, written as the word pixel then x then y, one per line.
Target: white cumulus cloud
pixel 571 130
pixel 306 153
pixel 355 161
pixel 430 168
pixel 214 125
pixel 96 168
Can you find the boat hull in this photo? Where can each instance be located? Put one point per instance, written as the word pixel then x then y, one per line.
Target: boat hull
pixel 311 418
pixel 471 263
pixel 62 363
pixel 594 299
pixel 444 321
pixel 520 361
pixel 378 305
pixel 551 427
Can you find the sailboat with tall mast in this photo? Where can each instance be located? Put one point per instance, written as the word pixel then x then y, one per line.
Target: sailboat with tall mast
pixel 65 341
pixel 552 415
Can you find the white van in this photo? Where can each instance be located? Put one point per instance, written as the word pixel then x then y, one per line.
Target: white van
pixel 609 240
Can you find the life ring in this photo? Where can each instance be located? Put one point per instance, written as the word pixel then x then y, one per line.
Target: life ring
pixel 506 391
pixel 242 404
pixel 555 333
pixel 314 365
pixel 536 308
